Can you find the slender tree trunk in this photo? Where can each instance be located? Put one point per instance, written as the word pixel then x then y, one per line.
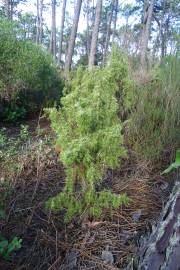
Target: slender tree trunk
pixel 53 30
pixel 115 20
pixel 148 11
pixel 88 29
pixel 61 31
pixel 71 44
pixel 164 38
pixel 126 35
pixel 108 34
pixel 7 8
pixel 93 15
pixel 37 22
pixel 39 26
pixel 75 3
pixel 11 4
pixel 41 22
pixel 163 50
pixel 95 34
pixel 163 25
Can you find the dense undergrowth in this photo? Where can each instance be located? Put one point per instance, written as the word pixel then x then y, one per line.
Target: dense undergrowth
pixel 104 115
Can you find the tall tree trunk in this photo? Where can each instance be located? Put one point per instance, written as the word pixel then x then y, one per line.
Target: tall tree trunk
pixel 61 31
pixel 164 38
pixel 53 30
pixel 41 22
pixel 7 8
pixel 108 33
pixel 11 4
pixel 115 20
pixel 37 22
pixel 88 28
pixel 126 35
pixel 75 6
pixel 147 18
pixel 39 26
pixel 72 38
pixel 95 34
pixel 163 31
pixel 163 24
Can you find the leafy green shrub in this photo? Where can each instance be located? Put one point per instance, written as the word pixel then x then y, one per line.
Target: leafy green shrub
pixel 12 113
pixel 28 76
pixel 24 133
pixel 155 122
pixel 89 133
pixel 6 247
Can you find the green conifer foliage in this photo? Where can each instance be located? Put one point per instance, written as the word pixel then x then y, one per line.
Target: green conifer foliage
pixel 89 133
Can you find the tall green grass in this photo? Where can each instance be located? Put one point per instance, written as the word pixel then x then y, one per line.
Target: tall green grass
pixel 155 121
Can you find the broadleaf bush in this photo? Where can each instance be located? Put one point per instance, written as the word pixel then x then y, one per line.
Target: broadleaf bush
pixel 28 75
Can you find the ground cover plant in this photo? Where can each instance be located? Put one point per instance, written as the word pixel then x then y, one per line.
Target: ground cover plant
pixel 6 247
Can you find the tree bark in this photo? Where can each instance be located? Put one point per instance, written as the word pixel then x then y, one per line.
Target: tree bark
pixel 53 30
pixel 115 20
pixel 108 34
pixel 95 34
pixel 162 251
pixel 61 31
pixel 147 18
pixel 72 40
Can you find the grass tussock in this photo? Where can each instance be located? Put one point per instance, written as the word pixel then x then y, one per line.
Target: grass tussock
pixel 155 120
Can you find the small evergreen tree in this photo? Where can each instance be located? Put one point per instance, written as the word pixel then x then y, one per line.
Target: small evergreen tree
pixel 89 132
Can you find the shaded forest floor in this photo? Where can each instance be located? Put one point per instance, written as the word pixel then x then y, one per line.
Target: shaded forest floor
pixel 49 244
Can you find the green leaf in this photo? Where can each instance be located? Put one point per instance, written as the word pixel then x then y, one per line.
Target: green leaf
pixel 2 214
pixel 6 247
pixel 178 156
pixel 3 245
pixel 174 165
pixel 14 245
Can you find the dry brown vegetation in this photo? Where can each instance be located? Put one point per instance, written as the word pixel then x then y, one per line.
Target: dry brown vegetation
pixel 50 244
